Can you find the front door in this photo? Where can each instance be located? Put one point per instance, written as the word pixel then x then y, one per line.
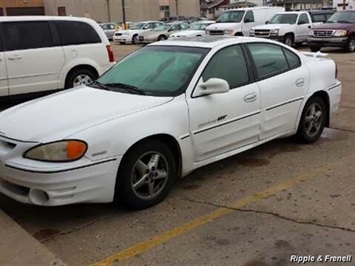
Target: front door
pixel 220 123
pixel 33 62
pixel 248 22
pixel 283 83
pixel 303 27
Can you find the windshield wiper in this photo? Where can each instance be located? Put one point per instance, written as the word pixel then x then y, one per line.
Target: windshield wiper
pixel 343 21
pixel 99 85
pixel 129 88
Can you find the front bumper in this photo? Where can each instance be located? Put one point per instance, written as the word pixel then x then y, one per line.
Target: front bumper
pixel 333 41
pixel 54 184
pixel 122 39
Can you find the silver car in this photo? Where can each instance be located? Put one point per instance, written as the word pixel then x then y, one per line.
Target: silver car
pixel 162 32
pixel 109 29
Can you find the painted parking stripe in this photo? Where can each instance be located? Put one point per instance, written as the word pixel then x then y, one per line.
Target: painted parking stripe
pixel 184 228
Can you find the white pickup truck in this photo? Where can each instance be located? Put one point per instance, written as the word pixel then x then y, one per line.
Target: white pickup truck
pixel 288 27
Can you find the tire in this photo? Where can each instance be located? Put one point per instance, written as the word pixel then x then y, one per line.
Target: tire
pixel 315 48
pixel 153 176
pixel 288 40
pixel 80 77
pixel 312 120
pixel 122 43
pixel 162 38
pixel 350 45
pixel 135 39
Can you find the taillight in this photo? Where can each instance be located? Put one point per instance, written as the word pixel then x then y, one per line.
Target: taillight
pixel 111 57
pixel 336 71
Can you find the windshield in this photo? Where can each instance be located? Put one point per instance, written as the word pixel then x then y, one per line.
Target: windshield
pixel 199 26
pixel 231 16
pixel 342 17
pixel 137 26
pixel 283 19
pixel 162 27
pixel 155 70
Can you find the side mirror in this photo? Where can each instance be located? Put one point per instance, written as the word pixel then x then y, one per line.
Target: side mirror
pixel 211 86
pixel 267 22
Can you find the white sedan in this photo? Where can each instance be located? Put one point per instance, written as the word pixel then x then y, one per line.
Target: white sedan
pixel 160 113
pixel 197 29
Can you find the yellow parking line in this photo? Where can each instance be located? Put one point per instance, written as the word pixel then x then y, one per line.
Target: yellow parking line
pixel 184 228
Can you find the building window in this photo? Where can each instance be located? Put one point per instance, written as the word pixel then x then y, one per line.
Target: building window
pixel 164 8
pixel 62 11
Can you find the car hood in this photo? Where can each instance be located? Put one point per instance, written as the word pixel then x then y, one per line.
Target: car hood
pixel 62 114
pixel 335 26
pixel 222 26
pixel 188 33
pixel 130 31
pixel 271 26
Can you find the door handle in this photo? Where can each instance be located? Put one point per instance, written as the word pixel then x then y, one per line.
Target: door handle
pixel 250 97
pixel 15 57
pixel 299 82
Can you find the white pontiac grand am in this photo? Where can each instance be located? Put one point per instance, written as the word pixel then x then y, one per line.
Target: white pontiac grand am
pixel 158 114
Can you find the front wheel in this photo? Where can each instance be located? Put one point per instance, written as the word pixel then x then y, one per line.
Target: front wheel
pixel 161 38
pixel 350 45
pixel 288 40
pixel 135 39
pixel 146 175
pixel 312 120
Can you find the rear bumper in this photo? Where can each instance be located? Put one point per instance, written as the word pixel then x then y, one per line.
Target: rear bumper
pixel 334 42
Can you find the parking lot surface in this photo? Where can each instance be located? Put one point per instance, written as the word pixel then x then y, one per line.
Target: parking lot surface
pixel 255 209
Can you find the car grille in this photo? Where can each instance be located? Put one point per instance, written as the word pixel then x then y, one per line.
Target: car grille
pixel 118 34
pixel 262 33
pixel 216 32
pixel 322 33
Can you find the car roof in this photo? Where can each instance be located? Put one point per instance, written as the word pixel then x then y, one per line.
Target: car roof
pixel 203 21
pixel 42 18
pixel 207 41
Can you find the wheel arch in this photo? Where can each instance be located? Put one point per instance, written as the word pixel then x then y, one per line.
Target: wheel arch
pixel 167 139
pixel 83 66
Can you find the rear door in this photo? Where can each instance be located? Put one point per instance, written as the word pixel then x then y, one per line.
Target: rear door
pixel 4 89
pixel 33 61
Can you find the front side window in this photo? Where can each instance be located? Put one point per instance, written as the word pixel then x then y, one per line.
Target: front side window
pixel 303 19
pixel 249 17
pixel 27 35
pixel 228 64
pixel 231 16
pixel 137 26
pixel 269 59
pixel 156 70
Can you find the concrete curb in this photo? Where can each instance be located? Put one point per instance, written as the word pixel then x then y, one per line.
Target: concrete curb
pixel 18 247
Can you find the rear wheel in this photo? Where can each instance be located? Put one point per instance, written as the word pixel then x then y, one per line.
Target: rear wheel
pixel 350 45
pixel 312 121
pixel 315 48
pixel 146 175
pixel 80 77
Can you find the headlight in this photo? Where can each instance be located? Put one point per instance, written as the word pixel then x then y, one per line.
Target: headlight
pixel 252 32
pixel 228 31
pixel 207 32
pixel 339 33
pixel 274 32
pixel 60 151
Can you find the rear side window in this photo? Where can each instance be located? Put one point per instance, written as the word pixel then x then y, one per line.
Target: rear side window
pixel 292 59
pixel 269 59
pixel 74 33
pixel 27 35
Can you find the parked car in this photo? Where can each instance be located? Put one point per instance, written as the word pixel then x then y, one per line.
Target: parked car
pixel 109 29
pixel 160 113
pixel 48 53
pixel 287 27
pixel 173 18
pixel 197 29
pixel 162 32
pixel 338 31
pixel 239 22
pixel 131 35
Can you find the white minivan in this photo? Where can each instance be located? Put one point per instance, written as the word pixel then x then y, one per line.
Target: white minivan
pixel 239 22
pixel 48 53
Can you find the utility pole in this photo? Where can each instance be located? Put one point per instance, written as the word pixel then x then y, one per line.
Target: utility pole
pixel 108 11
pixel 123 15
pixel 177 9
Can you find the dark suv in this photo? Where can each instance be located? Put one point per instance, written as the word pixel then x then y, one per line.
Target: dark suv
pixel 337 31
